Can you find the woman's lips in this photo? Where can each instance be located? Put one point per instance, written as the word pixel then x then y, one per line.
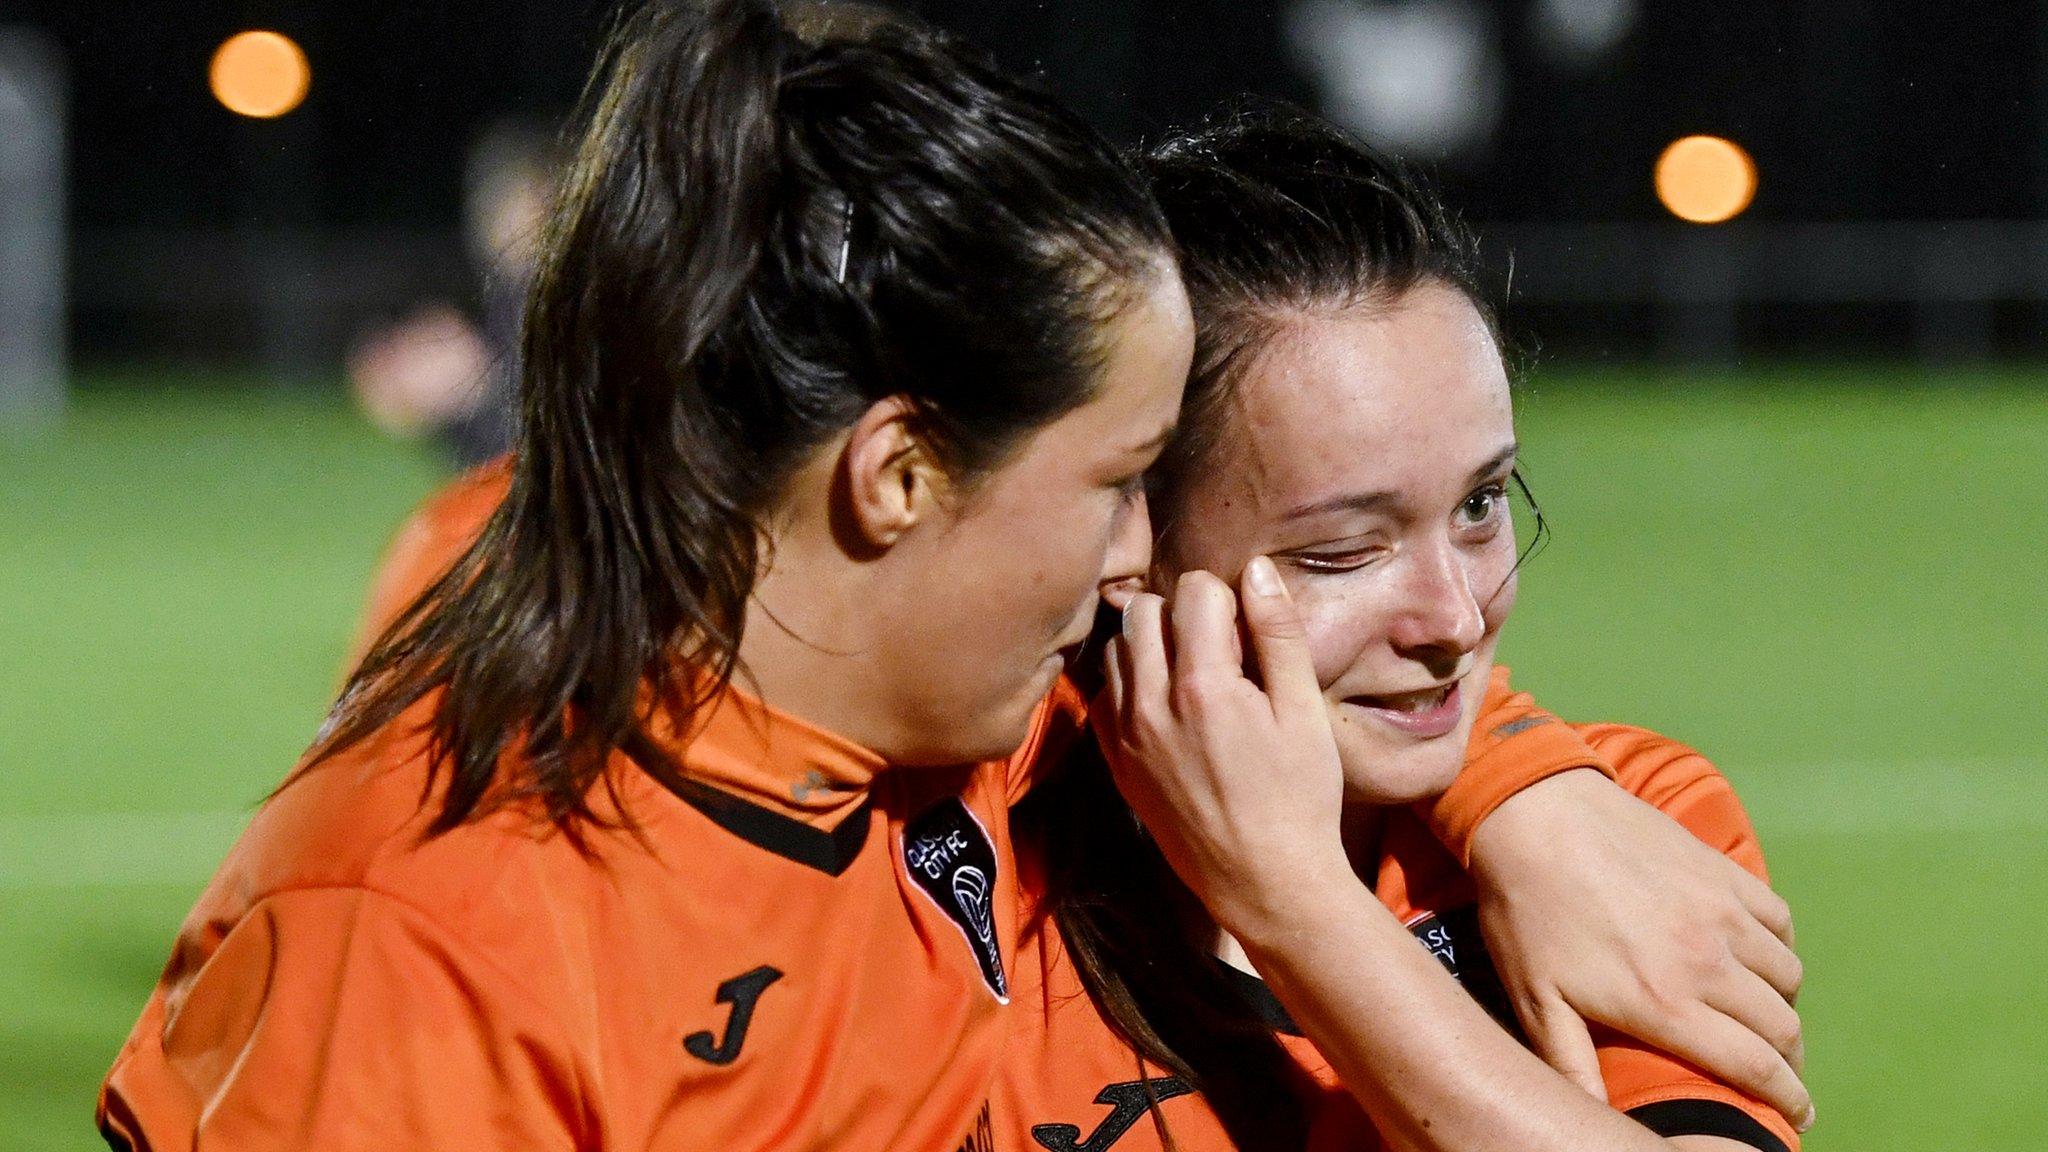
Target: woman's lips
pixel 1424 715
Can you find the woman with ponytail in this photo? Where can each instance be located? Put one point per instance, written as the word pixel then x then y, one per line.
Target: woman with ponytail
pixel 675 814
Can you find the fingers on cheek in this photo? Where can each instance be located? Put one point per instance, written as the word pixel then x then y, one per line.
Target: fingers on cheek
pixel 1203 622
pixel 1340 633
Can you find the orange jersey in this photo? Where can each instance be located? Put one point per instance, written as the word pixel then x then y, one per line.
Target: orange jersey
pixel 1071 1083
pixel 801 950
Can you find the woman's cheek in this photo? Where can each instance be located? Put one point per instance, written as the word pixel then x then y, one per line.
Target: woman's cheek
pixel 1338 625
pixel 1497 608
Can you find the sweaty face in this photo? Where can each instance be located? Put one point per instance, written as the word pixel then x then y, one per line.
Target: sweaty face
pixel 1014 574
pixel 1368 452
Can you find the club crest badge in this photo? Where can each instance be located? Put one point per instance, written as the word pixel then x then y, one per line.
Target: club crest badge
pixel 1454 938
pixel 949 854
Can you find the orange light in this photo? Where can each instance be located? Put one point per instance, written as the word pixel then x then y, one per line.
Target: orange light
pixel 259 74
pixel 1705 179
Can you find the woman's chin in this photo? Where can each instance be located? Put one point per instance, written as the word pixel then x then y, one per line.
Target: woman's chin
pixel 1390 778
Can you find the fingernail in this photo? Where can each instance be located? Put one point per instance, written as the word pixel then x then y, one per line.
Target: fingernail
pixel 1807 1123
pixel 1261 578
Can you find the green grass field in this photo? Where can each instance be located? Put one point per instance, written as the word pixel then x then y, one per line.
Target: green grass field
pixel 1834 582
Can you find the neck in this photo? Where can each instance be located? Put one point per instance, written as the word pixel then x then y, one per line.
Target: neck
pixel 808 649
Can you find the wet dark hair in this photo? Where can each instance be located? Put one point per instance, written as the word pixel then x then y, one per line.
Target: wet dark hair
pixel 1278 215
pixel 773 220
pixel 1284 215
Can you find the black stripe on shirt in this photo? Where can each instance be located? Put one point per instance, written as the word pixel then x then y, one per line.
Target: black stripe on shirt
pixel 1706 1118
pixel 1260 999
pixel 792 839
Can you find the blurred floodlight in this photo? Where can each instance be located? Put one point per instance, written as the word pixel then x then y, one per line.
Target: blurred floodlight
pixel 1417 76
pixel 1578 32
pixel 259 74
pixel 1705 179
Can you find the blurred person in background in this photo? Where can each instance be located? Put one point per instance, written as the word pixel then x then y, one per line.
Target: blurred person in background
pixel 439 373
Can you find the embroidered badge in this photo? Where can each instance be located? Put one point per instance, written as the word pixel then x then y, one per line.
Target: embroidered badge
pixel 1454 938
pixel 949 854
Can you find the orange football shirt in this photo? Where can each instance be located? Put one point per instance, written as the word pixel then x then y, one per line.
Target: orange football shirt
pixel 803 949
pixel 1071 1084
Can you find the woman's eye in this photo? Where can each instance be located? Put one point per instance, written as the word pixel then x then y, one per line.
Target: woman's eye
pixel 1344 561
pixel 1483 506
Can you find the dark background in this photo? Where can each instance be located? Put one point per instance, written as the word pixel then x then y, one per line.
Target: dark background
pixel 1899 122
pixel 1854 111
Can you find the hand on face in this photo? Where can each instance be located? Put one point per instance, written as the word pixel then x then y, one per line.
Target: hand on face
pixel 1239 784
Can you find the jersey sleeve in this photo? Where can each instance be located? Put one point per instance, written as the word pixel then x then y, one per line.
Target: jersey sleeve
pixel 1514 744
pixel 1672 1098
pixel 1666 1094
pixel 1683 785
pixel 342 1018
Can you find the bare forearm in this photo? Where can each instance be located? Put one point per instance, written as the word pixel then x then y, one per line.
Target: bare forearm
pixel 1422 1057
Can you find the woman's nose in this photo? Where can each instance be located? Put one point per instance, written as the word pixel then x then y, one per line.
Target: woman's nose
pixel 1130 553
pixel 1442 620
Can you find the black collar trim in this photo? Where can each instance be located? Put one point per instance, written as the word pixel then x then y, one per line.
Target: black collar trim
pixel 1260 999
pixel 786 836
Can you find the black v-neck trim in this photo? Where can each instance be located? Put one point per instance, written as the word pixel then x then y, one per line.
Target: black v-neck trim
pixel 1260 999
pixel 786 836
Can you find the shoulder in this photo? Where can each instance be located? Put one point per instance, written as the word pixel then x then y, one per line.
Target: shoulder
pixel 460 507
pixel 358 825
pixel 1680 782
pixel 437 533
pixel 318 989
pixel 448 521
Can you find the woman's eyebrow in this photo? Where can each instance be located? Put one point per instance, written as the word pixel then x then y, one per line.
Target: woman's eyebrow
pixel 1499 462
pixel 1350 502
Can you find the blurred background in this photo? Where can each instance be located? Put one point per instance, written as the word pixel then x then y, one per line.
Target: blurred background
pixel 1778 274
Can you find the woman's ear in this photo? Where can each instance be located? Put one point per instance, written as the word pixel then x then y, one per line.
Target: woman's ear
pixel 891 480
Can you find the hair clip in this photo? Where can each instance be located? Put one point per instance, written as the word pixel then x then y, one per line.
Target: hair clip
pixel 845 240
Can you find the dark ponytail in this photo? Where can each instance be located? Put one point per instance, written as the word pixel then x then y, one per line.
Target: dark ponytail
pixel 772 221
pixel 1277 215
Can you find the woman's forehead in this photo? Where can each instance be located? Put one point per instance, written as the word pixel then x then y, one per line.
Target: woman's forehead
pixel 1371 393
